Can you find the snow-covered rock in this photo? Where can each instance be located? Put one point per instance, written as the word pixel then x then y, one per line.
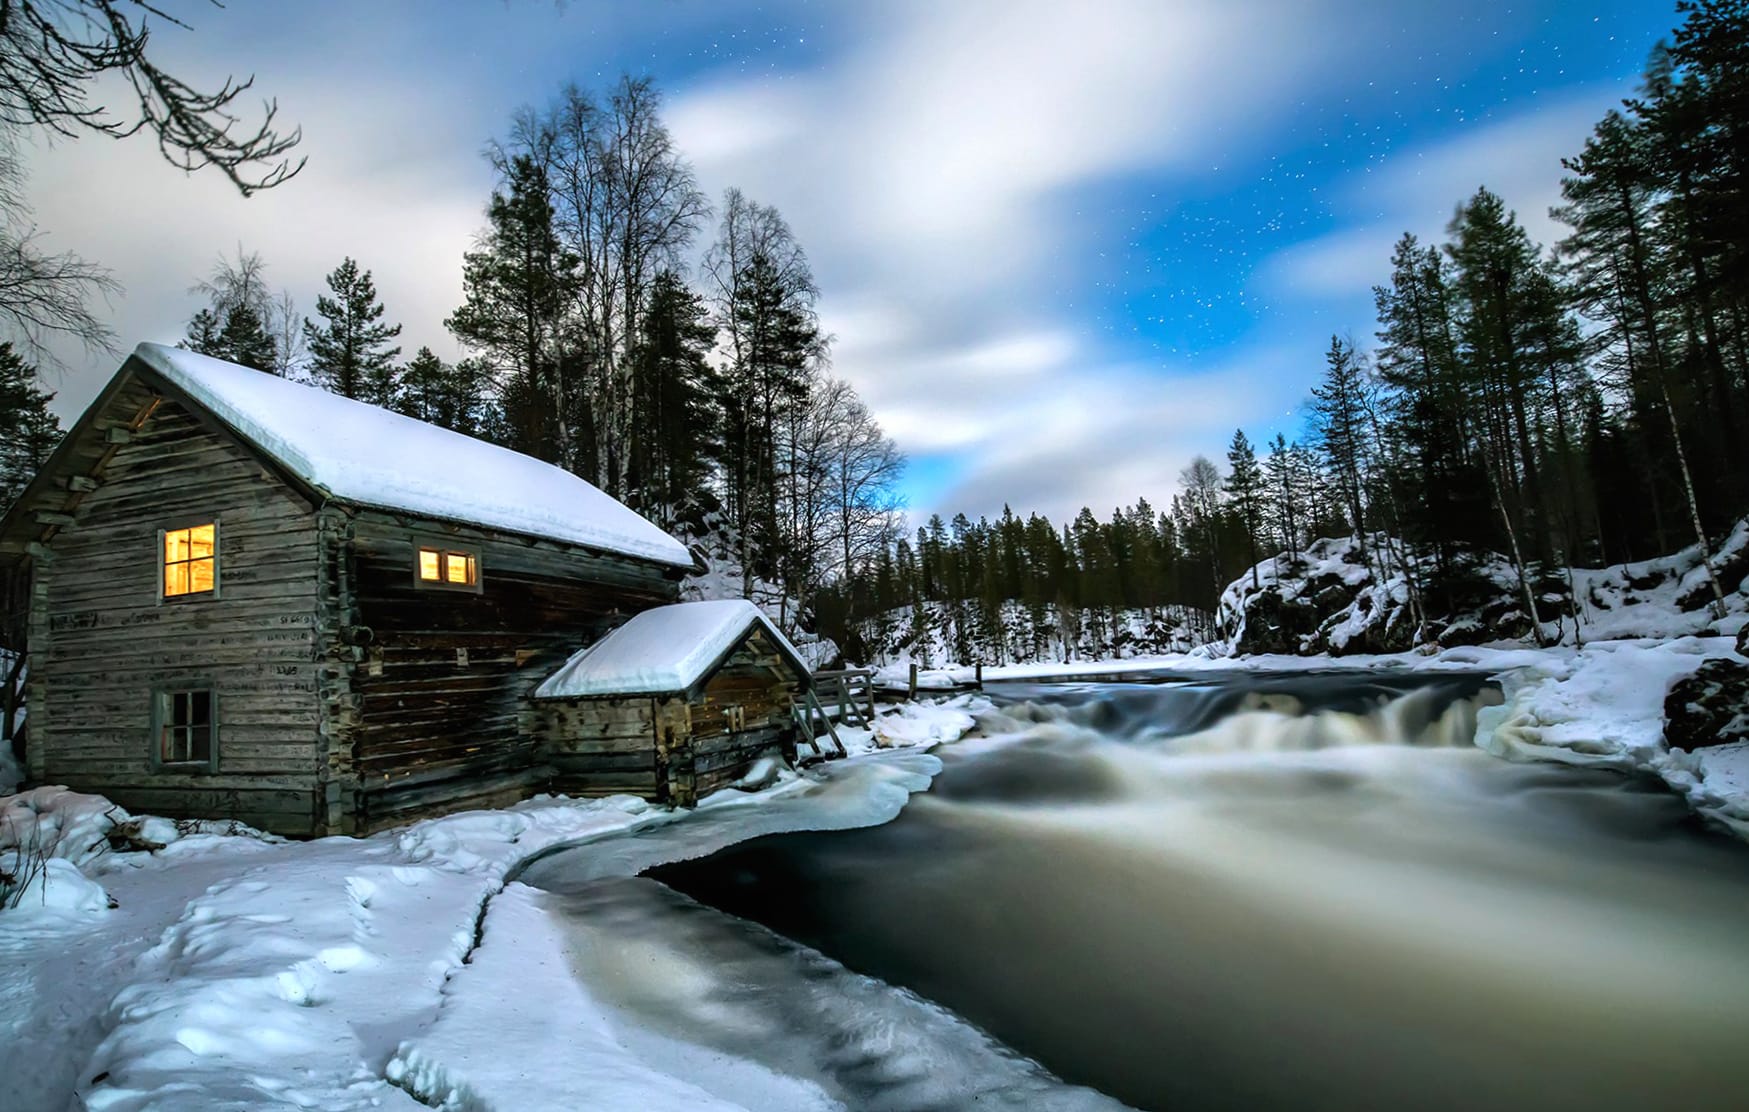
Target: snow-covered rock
pixel 1339 598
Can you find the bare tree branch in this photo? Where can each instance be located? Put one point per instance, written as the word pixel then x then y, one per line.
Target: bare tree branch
pixel 52 51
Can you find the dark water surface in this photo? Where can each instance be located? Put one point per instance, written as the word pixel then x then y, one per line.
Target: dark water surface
pixel 1295 892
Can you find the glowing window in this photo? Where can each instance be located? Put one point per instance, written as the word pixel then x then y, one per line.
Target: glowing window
pixel 187 728
pixel 448 567
pixel 191 562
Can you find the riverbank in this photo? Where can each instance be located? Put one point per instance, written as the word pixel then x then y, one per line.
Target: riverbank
pixel 1601 705
pixel 349 972
pixel 227 969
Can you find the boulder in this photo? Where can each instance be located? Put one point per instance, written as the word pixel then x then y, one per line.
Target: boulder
pixel 1709 707
pixel 1274 624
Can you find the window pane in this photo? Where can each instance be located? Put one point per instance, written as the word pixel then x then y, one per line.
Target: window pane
pixel 188 733
pixel 459 566
pixel 200 743
pixel 200 575
pixel 175 579
pixel 175 545
pixel 200 541
pixel 428 565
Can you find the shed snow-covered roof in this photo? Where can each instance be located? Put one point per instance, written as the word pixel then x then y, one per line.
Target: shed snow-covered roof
pixel 370 456
pixel 664 650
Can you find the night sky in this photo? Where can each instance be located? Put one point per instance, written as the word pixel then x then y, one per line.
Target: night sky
pixel 1063 247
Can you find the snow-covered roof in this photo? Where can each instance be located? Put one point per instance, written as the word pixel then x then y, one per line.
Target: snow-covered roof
pixel 364 454
pixel 663 650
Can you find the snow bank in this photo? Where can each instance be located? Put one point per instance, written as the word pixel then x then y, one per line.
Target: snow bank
pixel 243 972
pixel 662 650
pixel 365 454
pixel 56 884
pixel 1333 599
pixel 293 980
pixel 1604 706
pixel 564 1052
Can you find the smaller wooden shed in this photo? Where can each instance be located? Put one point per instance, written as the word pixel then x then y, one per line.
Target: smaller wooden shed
pixel 675 703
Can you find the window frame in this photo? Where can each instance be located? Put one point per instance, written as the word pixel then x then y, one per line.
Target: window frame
pixel 161 704
pixel 175 526
pixel 444 551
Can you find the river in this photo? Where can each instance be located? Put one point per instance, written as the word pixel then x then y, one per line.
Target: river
pixel 1244 892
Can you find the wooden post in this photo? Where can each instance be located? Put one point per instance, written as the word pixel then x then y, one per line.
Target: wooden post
pixel 913 693
pixel 978 675
pixel 868 689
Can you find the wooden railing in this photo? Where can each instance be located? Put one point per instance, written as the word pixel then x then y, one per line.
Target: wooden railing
pixel 814 722
pixel 850 692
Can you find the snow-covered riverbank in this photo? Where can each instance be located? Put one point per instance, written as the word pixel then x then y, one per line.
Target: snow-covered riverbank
pixel 1600 706
pixel 236 970
pixel 240 971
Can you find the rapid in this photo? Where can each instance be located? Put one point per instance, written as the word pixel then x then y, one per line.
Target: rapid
pixel 1308 891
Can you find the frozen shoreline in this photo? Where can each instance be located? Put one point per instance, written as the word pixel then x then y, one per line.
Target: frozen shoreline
pixel 338 973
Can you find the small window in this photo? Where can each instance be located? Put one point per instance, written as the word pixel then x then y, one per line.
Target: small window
pixel 187 728
pixel 191 561
pixel 448 567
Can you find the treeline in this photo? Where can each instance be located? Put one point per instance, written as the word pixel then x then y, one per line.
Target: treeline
pixel 1079 582
pixel 1585 404
pixel 688 379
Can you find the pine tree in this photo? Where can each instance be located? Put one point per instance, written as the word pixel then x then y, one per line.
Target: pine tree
pixel 517 285
pixel 1339 413
pixel 28 431
pixel 678 399
pixel 1245 493
pixel 203 335
pixel 245 340
pixel 350 352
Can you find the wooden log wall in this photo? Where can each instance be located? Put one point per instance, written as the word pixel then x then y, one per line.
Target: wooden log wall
pixel 430 684
pixel 101 642
pixel 743 713
pixel 674 748
pixel 602 746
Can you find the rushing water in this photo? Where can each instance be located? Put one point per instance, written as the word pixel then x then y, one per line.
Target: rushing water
pixel 1299 892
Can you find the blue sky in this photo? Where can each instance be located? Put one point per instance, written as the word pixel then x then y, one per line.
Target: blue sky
pixel 1063 246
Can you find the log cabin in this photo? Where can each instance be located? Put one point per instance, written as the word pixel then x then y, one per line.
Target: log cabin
pixel 248 598
pixel 715 683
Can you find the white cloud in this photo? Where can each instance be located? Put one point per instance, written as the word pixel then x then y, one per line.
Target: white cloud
pixel 932 175
pixel 380 186
pixel 1518 158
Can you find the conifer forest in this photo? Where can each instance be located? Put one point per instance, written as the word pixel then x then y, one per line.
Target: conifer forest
pixel 1582 402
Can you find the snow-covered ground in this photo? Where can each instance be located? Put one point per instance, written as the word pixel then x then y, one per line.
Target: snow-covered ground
pixel 236 970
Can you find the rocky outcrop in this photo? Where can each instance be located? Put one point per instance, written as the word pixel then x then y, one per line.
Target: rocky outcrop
pixel 1709 707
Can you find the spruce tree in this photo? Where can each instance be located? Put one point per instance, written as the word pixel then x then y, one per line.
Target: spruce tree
pixel 1245 492
pixel 245 340
pixel 349 351
pixel 1339 414
pixel 517 284
pixel 28 431
pixel 678 399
